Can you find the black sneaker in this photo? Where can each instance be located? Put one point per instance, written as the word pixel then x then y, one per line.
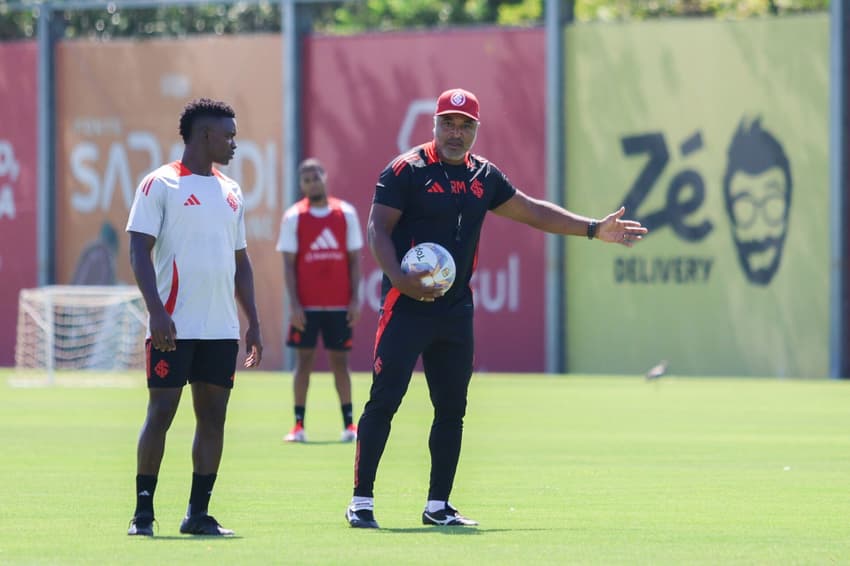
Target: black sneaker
pixel 448 516
pixel 203 525
pixel 141 525
pixel 361 519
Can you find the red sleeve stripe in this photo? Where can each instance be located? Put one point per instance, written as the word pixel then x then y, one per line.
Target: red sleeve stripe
pixel 398 166
pixel 431 156
pixel 402 160
pixel 146 187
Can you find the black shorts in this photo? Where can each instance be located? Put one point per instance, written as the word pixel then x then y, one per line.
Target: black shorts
pixel 207 361
pixel 336 334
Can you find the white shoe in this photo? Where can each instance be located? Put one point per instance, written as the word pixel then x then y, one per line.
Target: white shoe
pixel 349 434
pixel 297 434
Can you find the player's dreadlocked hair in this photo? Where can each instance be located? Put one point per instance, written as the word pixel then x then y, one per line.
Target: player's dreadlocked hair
pixel 200 108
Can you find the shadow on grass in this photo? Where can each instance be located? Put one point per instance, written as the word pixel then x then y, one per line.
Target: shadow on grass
pixel 317 443
pixel 191 538
pixel 453 531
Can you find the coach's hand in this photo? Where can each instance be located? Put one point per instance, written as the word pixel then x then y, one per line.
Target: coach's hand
pixel 614 230
pixel 411 284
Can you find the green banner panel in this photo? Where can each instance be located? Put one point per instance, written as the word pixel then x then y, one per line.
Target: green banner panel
pixel 715 136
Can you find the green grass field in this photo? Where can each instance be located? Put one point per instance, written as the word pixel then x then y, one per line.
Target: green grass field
pixel 558 470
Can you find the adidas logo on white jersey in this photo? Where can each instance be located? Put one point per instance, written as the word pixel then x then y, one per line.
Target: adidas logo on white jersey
pixel 325 241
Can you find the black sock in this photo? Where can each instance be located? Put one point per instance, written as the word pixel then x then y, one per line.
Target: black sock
pixel 199 498
pixel 145 486
pixel 346 415
pixel 299 414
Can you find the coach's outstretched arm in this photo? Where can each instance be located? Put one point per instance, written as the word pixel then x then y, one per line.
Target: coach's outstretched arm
pixel 550 217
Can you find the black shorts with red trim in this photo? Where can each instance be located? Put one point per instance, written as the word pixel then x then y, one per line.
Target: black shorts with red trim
pixel 333 325
pixel 205 361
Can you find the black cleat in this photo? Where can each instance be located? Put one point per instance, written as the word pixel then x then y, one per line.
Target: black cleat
pixel 361 519
pixel 141 525
pixel 448 516
pixel 203 525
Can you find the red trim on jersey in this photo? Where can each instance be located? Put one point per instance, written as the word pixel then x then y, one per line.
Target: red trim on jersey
pixel 175 283
pixel 404 159
pixel 180 169
pixel 398 166
pixel 386 314
pixel 146 188
pixel 431 155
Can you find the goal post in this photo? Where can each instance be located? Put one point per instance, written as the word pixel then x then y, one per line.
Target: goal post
pixel 80 327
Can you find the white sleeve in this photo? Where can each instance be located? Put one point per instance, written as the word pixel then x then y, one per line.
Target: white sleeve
pixel 287 241
pixel 146 214
pixel 241 238
pixel 354 236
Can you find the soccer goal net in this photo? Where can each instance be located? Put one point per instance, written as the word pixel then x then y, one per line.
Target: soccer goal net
pixel 70 327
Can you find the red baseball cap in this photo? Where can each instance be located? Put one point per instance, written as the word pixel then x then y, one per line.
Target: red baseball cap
pixel 457 101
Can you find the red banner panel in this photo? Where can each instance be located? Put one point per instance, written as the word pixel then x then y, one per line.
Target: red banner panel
pixel 18 184
pixel 368 98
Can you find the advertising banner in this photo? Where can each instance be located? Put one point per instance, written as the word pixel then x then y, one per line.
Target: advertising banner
pixel 715 136
pixel 18 184
pixel 118 106
pixel 370 97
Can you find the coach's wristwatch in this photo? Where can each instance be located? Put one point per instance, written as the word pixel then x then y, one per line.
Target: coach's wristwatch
pixel 591 230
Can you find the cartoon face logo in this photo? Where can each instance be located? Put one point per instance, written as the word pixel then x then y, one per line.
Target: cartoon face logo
pixel 757 192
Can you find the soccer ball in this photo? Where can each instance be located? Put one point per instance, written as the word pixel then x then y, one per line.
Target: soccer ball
pixel 433 259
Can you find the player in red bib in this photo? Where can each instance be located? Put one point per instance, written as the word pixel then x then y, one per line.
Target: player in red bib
pixel 320 239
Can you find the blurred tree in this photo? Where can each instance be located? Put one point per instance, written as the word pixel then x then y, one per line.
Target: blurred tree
pixel 18 20
pixel 606 10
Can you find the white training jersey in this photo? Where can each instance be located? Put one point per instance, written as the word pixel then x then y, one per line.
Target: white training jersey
pixel 288 239
pixel 198 223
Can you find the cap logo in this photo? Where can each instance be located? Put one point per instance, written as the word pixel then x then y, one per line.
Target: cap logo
pixel 458 98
